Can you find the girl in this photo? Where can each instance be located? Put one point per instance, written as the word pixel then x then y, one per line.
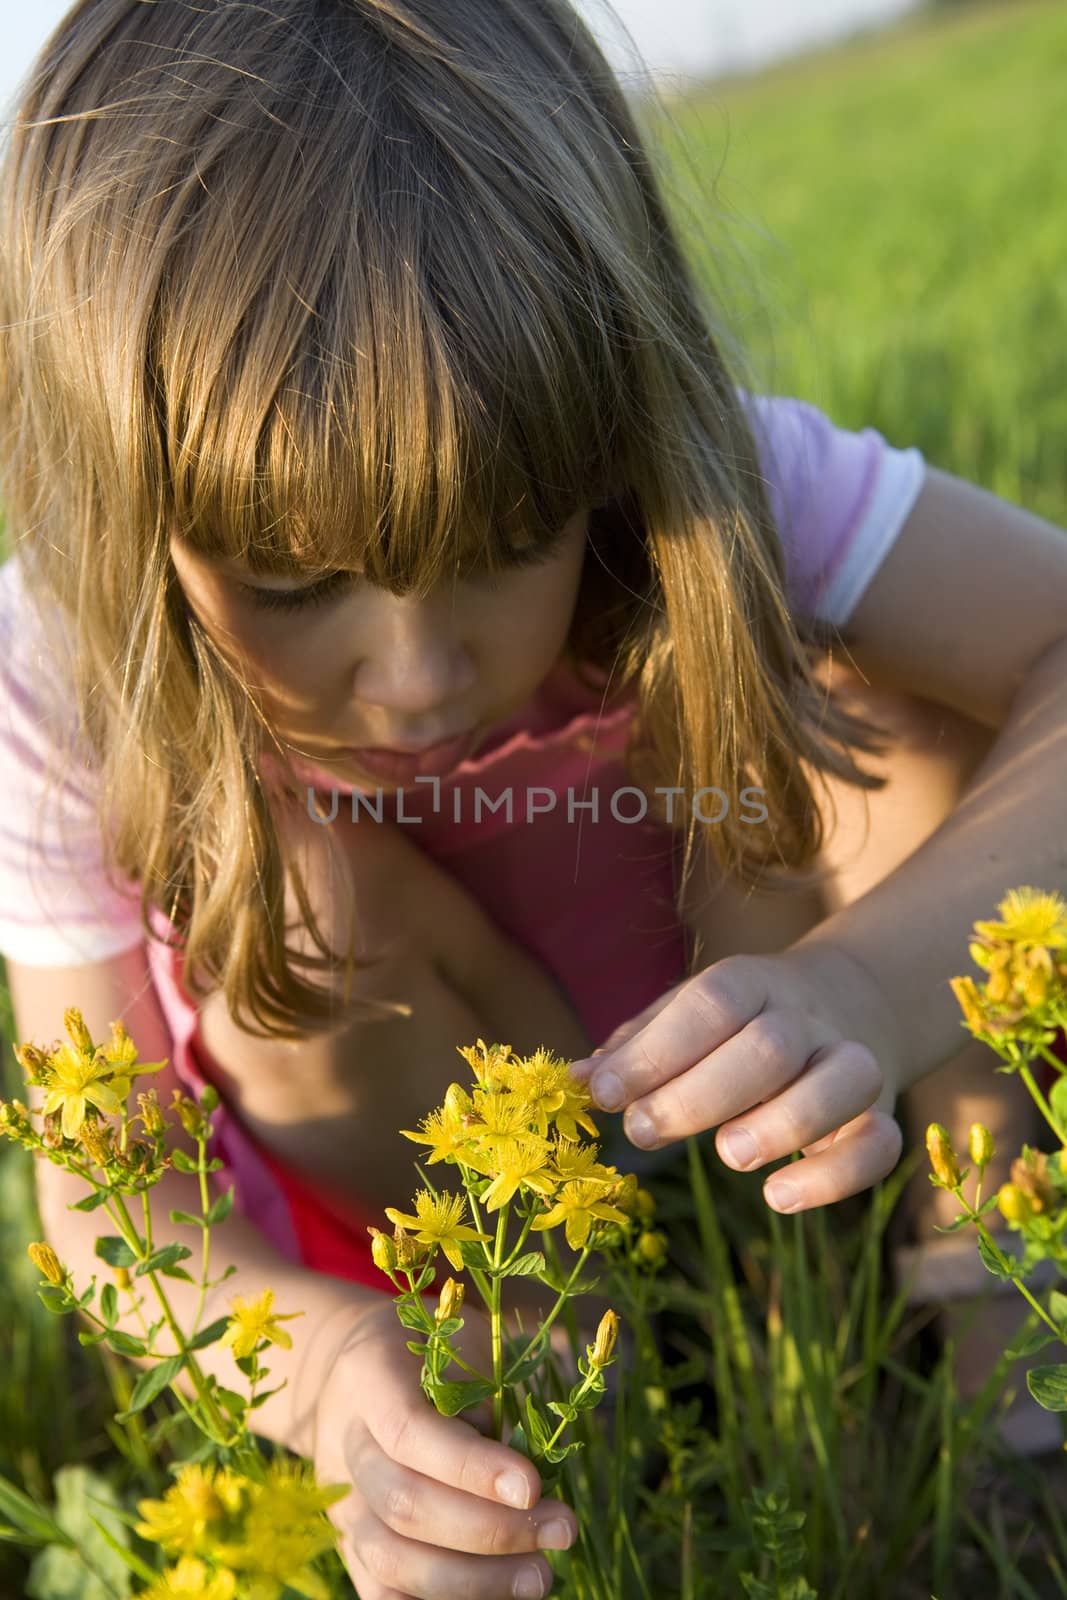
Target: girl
pixel 366 440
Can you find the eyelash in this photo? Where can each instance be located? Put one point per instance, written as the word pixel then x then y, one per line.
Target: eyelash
pixel 330 588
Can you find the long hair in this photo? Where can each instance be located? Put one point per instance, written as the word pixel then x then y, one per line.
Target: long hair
pixel 377 283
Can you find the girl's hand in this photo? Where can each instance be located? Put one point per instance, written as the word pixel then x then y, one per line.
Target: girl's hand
pixel 426 1519
pixel 763 1039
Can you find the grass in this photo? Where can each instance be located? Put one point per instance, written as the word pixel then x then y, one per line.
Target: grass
pixel 883 225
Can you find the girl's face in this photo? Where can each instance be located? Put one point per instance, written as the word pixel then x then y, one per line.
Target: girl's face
pixel 347 664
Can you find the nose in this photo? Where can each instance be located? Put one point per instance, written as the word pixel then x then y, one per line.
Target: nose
pixel 415 662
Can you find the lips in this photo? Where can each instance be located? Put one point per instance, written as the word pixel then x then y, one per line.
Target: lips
pixel 404 766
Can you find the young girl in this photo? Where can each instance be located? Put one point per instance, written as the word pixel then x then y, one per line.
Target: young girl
pixel 416 631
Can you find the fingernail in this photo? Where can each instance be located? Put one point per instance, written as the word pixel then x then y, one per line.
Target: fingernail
pixel 530 1584
pixel 513 1487
pixel 555 1535
pixel 640 1129
pixel 739 1147
pixel 781 1195
pixel 608 1091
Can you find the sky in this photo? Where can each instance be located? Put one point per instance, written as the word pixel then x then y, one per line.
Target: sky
pixel 677 38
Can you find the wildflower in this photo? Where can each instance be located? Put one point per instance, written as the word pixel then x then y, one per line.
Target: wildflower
pixel 15 1123
pixel 188 1113
pixel 409 1252
pixel 500 1119
pixel 491 1064
pixel 1029 917
pixel 383 1250
pixel 445 1132
pixel 518 1161
pixel 980 1145
pixel 284 1530
pixel 577 1162
pixel 1029 1172
pixel 31 1059
pixel 578 1205
pixel 97 1142
pixel 47 1262
pixel 942 1156
pixel 543 1082
pixel 604 1344
pixel 438 1223
pixel 151 1114
pixel 192 1580
pixel 253 1320
pixel 1013 1203
pixel 200 1496
pixel 451 1301
pixel 74 1023
pixel 651 1248
pixel 969 997
pixel 74 1079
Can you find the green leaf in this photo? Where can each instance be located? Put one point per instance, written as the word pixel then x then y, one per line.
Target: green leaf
pixel 208 1335
pixel 1029 1344
pixel 1048 1385
pixel 164 1257
pixel 184 1162
pixel 236 1404
pixel 56 1299
pixel 115 1251
pixel 258 1401
pixel 563 1409
pixel 176 1272
pixel 124 1344
pixel 109 1304
pixel 538 1430
pixel 85 1337
pixel 525 1267
pixel 451 1398
pixel 560 1452
pixel 91 1569
pixel 187 1216
pixel 960 1222
pixel 150 1384
pixel 222 1207
pixel 416 1348
pixel 413 1314
pixel 1058 1100
pixel 1057 1306
pixel 97 1198
pixel 990 1262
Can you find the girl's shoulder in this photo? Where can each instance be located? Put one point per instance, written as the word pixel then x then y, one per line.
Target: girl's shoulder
pixel 839 497
pixel 57 907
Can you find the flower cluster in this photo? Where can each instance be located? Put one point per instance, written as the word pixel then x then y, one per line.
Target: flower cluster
pixel 518 1132
pixel 235 1537
pixel 1025 954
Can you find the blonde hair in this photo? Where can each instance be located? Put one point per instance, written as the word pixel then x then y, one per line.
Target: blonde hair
pixel 322 283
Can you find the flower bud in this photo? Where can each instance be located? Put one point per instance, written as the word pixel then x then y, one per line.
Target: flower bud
pixel 651 1248
pixel 47 1262
pixel 74 1023
pixel 646 1205
pixel 1029 1172
pixel 451 1300
pixel 942 1156
pixel 409 1252
pixel 188 1114
pixel 1013 1203
pixel 606 1334
pixel 383 1250
pixel 151 1114
pixel 122 1277
pixel 209 1098
pixel 980 1145
pixel 96 1142
pixel 999 986
pixel 32 1060
pixel 969 998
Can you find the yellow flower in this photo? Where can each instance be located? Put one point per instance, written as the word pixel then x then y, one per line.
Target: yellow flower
pixel 191 1580
pixel 492 1064
pixel 942 1156
pixel 283 1531
pixel 574 1112
pixel 578 1162
pixel 437 1222
pixel 445 1132
pixel 202 1495
pixel 522 1160
pixel 73 1079
pixel 500 1119
pixel 253 1320
pixel 450 1302
pixel 1013 1203
pixel 542 1081
pixel 47 1262
pixel 969 997
pixel 1029 917
pixel 604 1344
pixel 578 1205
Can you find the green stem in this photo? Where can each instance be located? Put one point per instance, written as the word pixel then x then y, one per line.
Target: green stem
pixel 495 1321
pixel 586 1384
pixel 542 1332
pixel 1042 1104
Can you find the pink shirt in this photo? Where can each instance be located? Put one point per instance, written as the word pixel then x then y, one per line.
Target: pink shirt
pixel 582 885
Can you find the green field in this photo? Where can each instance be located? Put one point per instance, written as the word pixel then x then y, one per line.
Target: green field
pixel 892 220
pixel 886 224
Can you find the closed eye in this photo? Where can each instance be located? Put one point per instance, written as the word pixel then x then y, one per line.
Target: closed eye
pixel 316 594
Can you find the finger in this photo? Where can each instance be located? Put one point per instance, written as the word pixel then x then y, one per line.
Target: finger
pixel 699 1016
pixel 366 1587
pixel 753 1066
pixel 862 1153
pixel 423 1509
pixel 449 1450
pixel 419 1571
pixel 839 1082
